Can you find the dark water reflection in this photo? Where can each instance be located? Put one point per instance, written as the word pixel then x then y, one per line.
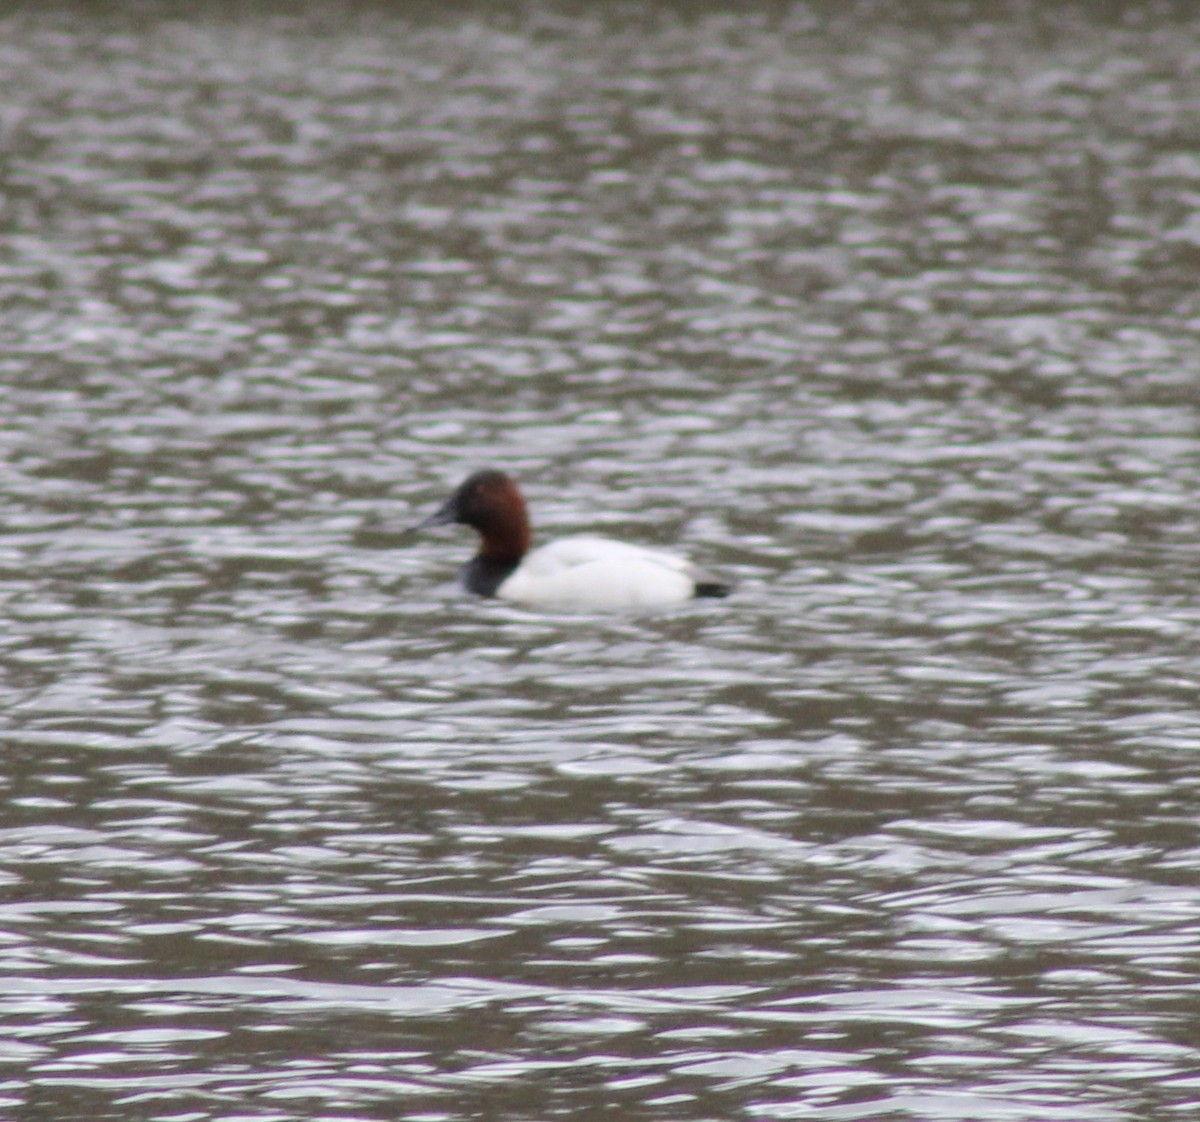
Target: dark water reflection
pixel 892 317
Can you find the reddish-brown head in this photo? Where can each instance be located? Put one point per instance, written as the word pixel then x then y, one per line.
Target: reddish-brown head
pixel 489 501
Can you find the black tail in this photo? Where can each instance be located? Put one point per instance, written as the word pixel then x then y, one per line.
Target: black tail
pixel 707 586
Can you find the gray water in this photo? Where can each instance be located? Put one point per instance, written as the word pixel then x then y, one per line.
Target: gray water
pixel 890 314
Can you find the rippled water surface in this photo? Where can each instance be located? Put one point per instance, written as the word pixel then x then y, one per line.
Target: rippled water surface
pixel 891 317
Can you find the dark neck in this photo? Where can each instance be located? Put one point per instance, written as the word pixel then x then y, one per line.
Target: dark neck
pixel 504 538
pixel 483 576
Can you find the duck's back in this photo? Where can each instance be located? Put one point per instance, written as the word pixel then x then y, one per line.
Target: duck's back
pixel 586 573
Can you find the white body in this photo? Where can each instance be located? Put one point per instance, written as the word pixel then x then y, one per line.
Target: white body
pixel 596 574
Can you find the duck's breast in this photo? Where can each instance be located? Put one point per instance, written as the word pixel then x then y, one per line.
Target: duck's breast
pixel 597 574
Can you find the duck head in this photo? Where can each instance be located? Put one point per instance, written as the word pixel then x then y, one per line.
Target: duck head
pixel 490 502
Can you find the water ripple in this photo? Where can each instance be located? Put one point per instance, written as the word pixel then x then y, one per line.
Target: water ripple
pixel 894 323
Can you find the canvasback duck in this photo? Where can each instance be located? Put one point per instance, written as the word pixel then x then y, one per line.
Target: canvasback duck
pixel 580 573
